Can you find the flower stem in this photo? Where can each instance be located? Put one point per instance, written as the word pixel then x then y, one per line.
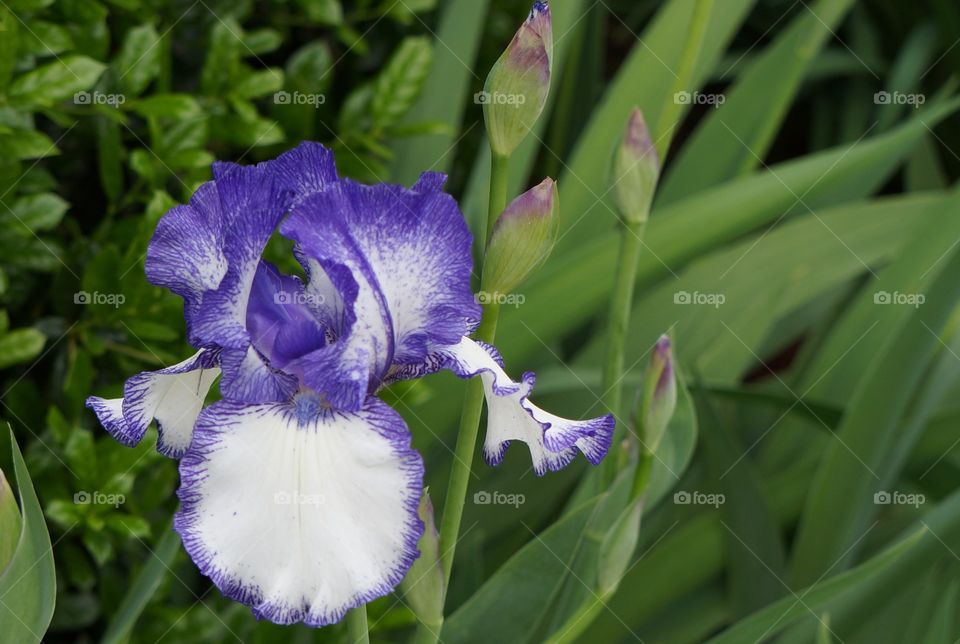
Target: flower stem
pixel 357 626
pixel 620 304
pixel 498 189
pixel 472 406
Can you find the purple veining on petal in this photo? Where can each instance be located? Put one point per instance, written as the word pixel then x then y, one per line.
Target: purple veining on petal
pixel 409 250
pixel 147 396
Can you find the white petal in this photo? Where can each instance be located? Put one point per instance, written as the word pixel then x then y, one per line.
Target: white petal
pixel 299 511
pixel 174 396
pixel 553 441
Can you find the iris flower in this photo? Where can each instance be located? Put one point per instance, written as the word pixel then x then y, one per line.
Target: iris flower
pixel 299 488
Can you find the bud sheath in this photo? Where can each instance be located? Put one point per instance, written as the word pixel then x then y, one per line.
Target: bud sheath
pixel 522 238
pixel 517 86
pixel 636 168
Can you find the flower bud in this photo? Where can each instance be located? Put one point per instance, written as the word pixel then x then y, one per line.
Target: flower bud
pixel 424 585
pixel 522 238
pixel 659 394
pixel 517 86
pixel 636 168
pixel 10 522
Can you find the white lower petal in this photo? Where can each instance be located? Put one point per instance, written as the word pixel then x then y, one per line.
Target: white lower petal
pixel 173 396
pixel 299 511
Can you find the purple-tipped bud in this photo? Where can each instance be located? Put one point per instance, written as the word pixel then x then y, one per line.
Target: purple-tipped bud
pixel 424 585
pixel 517 86
pixel 659 394
pixel 636 169
pixel 522 238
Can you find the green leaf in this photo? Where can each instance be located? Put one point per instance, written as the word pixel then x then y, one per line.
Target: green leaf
pixel 138 62
pixel 145 584
pixel 35 213
pixel 45 39
pixel 28 584
pixel 9 30
pixel 172 106
pixel 446 88
pixel 20 345
pixel 398 85
pixel 324 12
pixel 735 137
pixel 55 81
pixel 10 522
pixel 854 462
pixel 27 144
pixel 259 83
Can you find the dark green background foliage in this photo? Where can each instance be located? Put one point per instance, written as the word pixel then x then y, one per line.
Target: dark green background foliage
pixel 798 200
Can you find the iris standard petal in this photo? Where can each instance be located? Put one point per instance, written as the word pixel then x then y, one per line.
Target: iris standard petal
pixel 553 441
pixel 409 252
pixel 173 396
pixel 299 511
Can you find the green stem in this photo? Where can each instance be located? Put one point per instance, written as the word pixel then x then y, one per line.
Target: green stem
pixel 472 409
pixel 641 477
pixel 357 626
pixel 619 321
pixel 498 189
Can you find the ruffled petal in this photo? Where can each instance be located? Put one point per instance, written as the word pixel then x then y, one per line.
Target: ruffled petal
pixel 299 511
pixel 252 203
pixel 409 253
pixel 173 396
pixel 553 441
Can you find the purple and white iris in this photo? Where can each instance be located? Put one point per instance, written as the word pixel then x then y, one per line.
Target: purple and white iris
pixel 299 489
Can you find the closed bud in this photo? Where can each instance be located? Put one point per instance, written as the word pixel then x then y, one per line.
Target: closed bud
pixel 10 522
pixel 659 394
pixel 636 168
pixel 522 238
pixel 424 585
pixel 517 86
